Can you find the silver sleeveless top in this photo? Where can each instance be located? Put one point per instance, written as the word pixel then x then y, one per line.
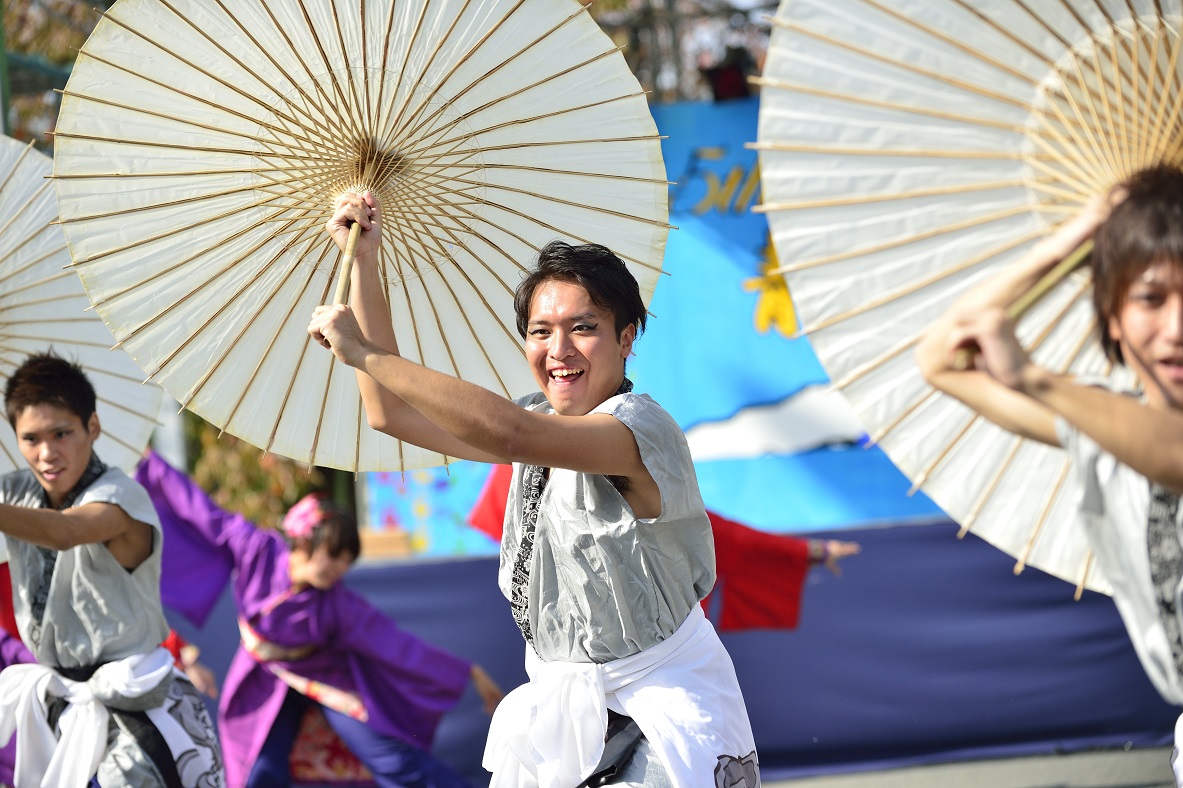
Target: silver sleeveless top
pixel 604 584
pixel 97 611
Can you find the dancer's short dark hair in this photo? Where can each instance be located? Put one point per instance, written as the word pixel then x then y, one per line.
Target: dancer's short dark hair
pixel 48 379
pixel 608 282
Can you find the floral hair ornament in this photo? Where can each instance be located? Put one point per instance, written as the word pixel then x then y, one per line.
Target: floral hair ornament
pixel 303 518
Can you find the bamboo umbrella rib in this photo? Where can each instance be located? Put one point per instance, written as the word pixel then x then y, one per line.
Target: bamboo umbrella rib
pixel 595 209
pixel 490 242
pixel 866 368
pixel 19 214
pixel 103 372
pixel 866 199
pixel 1021 564
pixel 612 176
pixel 479 292
pixel 206 74
pixel 551 77
pixel 1103 144
pixel 435 314
pixel 927 281
pixel 467 321
pixel 392 122
pixel 551 143
pixel 1005 31
pixel 13 460
pixel 210 280
pixel 292 383
pixel 16 165
pixel 956 43
pixel 939 459
pixel 1090 147
pixel 17 268
pixel 178 230
pixel 271 345
pixel 1043 186
pixel 376 121
pixel 896 243
pixel 353 104
pixel 12 297
pixel 198 198
pixel 919 153
pixel 295 368
pixel 110 403
pixel 261 306
pixel 226 303
pixel 571 234
pixel 1069 178
pixel 1122 125
pixel 399 262
pixel 1075 124
pixel 124 444
pixel 1085 569
pixel 1156 126
pixel 157 144
pixel 883 432
pixel 258 171
pixel 333 108
pixel 851 98
pixel 991 486
pixel 1065 43
pixel 313 143
pixel 523 122
pixel 1172 123
pixel 1142 124
pixel 1108 112
pixel 429 64
pixel 367 109
pixel 402 121
pixel 869 54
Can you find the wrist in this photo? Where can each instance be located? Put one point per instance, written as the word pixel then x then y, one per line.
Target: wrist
pixel 1034 381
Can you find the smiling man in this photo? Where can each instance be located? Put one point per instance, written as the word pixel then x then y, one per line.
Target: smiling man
pixel 84 549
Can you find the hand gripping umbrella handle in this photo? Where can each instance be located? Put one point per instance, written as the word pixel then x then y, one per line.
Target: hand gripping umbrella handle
pixel 347 256
pixel 1024 302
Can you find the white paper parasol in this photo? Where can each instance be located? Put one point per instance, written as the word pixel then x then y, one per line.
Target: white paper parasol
pixel 202 145
pixel 42 307
pixel 912 148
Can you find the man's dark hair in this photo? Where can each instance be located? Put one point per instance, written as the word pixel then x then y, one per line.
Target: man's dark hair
pixel 49 379
pixel 1146 228
pixel 608 282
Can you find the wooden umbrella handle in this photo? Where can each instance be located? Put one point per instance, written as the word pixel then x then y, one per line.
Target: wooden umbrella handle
pixel 964 357
pixel 347 256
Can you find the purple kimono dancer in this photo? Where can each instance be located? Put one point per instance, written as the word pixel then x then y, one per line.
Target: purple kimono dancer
pixel 405 683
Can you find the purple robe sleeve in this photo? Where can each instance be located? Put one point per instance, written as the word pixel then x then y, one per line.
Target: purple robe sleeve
pixel 13 651
pixel 202 542
pixel 407 684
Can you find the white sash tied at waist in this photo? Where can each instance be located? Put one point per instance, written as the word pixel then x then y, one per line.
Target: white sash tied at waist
pixel 682 693
pixel 42 759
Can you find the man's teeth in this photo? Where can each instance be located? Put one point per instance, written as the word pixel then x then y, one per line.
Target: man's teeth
pixel 566 373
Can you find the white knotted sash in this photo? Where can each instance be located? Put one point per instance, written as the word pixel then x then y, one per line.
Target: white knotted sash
pixel 42 759
pixel 682 693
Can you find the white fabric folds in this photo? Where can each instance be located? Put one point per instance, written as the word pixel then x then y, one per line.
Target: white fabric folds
pixel 42 759
pixel 682 693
